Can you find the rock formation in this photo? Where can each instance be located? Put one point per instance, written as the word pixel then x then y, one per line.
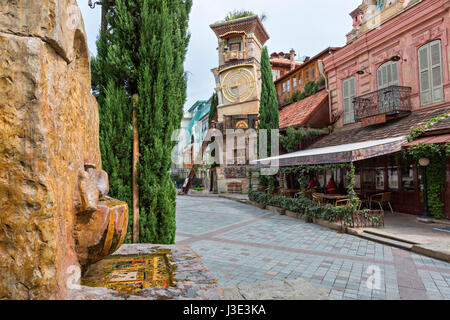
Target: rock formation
pixel 52 189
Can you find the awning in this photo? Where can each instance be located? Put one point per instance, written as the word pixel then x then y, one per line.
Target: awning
pixel 445 138
pixel 337 154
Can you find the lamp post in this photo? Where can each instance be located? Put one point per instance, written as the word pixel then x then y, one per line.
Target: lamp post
pixel 104 8
pixel 424 163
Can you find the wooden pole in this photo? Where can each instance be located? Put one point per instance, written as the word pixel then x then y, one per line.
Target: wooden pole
pixel 135 173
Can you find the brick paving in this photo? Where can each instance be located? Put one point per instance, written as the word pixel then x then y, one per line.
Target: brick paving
pixel 242 244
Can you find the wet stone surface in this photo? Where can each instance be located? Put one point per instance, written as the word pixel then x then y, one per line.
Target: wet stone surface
pixel 149 272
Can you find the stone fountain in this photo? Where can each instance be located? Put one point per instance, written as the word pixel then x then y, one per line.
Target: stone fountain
pixel 55 215
pixel 56 219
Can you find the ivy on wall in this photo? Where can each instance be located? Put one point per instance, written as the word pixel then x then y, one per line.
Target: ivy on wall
pixel 438 155
pixel 294 136
pixel 310 89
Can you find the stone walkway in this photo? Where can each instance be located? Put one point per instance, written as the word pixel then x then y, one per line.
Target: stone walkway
pixel 244 245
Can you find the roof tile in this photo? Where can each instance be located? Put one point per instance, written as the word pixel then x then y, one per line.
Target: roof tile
pixel 298 113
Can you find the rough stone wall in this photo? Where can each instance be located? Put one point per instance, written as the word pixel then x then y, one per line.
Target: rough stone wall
pixel 48 129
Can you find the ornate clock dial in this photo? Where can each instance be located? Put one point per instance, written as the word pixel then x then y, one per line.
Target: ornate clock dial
pixel 238 85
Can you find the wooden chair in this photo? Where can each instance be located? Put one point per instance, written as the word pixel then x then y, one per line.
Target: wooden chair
pixel 318 199
pixel 342 203
pixel 381 199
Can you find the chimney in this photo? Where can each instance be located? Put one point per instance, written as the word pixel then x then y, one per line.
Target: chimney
pixel 292 58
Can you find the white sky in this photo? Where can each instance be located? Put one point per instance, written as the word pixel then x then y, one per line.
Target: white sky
pixel 308 26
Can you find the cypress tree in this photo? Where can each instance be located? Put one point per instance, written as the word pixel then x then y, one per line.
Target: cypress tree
pixel 142 52
pixel 214 101
pixel 162 94
pixel 268 110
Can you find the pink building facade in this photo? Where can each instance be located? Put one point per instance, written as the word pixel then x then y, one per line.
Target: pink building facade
pixel 393 75
pixel 394 48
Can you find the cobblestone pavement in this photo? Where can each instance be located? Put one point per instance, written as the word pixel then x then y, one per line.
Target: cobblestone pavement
pixel 242 244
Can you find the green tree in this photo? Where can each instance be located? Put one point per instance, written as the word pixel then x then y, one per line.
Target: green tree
pixel 163 41
pixel 268 110
pixel 141 51
pixel 214 103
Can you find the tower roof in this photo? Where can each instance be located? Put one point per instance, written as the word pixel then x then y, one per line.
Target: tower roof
pixel 247 25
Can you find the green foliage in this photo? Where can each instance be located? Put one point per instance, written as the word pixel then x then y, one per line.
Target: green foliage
pixel 268 110
pixel 236 14
pixel 438 155
pixel 212 111
pixel 116 138
pixel 309 90
pixel 306 207
pixel 163 41
pixel 418 131
pixel 294 136
pixel 143 53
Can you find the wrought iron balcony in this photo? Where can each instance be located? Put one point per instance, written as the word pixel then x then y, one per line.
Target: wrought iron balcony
pixel 390 101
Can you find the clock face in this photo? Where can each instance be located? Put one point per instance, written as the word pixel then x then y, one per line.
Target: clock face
pixel 238 85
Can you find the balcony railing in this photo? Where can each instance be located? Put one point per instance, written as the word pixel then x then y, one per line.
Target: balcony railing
pixel 389 101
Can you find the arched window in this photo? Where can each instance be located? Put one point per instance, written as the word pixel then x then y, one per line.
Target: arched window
pixel 387 75
pixel 430 73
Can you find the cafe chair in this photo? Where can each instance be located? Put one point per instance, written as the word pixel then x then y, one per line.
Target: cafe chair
pixel 342 203
pixel 381 199
pixel 318 199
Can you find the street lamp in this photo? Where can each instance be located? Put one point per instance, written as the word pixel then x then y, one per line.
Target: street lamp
pixel 424 163
pixel 92 5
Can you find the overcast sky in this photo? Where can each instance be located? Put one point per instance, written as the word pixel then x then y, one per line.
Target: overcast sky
pixel 308 26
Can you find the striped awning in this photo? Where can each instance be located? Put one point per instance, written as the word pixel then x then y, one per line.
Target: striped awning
pixel 345 153
pixel 445 138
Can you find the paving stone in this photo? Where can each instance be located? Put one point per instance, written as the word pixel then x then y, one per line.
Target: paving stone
pixel 295 249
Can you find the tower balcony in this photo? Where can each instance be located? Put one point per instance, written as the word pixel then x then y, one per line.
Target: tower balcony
pixel 382 105
pixel 234 55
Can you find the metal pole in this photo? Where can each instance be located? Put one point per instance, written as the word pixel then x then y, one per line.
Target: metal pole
pixel 425 214
pixel 135 186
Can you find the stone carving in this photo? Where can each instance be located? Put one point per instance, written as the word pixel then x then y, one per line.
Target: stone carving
pixel 54 210
pixel 101 222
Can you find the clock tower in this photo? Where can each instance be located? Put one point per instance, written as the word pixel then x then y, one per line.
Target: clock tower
pixel 238 87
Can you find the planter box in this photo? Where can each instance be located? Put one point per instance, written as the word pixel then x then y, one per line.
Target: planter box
pixel 360 221
pixel 256 204
pixel 276 210
pixel 294 215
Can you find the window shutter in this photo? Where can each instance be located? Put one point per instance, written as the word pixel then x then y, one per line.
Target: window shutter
pixel 387 75
pixel 436 71
pixel 395 80
pixel 349 92
pixel 424 75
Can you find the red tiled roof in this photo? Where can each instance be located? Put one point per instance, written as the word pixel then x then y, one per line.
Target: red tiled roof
pixel 298 113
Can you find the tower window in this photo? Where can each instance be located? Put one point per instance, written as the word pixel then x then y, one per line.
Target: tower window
pixel 234 44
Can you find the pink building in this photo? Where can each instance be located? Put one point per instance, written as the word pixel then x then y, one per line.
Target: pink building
pixel 393 75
